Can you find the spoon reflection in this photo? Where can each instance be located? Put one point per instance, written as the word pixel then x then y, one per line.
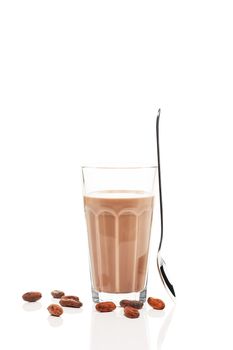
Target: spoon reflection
pixel 164 328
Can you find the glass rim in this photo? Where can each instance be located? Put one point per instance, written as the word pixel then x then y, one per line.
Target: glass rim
pixel 119 167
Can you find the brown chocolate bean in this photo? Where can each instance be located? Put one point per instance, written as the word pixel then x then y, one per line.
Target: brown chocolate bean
pixel 156 303
pixel 68 302
pixel 131 312
pixel 31 296
pixel 55 310
pixel 133 303
pixel 57 294
pixel 106 306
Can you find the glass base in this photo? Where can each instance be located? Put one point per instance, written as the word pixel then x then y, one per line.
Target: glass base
pixel 98 297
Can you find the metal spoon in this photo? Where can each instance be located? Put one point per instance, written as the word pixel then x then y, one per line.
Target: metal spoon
pixel 160 262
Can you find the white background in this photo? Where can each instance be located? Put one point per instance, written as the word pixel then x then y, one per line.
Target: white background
pixel 80 82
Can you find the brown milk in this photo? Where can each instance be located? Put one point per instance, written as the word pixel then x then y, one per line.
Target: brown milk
pixel 119 225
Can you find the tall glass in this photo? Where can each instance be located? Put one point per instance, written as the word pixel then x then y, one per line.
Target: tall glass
pixel 118 204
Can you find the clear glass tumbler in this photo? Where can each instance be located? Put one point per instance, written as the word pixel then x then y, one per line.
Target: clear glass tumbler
pixel 118 204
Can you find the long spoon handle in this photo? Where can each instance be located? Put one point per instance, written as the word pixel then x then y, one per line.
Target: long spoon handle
pixel 159 178
pixel 160 261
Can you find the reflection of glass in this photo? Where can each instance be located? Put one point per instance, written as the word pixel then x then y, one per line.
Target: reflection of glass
pixel 118 206
pixel 113 331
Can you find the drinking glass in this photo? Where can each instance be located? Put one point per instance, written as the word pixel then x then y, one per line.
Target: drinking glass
pixel 118 203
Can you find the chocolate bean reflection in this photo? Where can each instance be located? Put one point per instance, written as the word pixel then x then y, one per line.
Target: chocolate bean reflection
pixel 32 306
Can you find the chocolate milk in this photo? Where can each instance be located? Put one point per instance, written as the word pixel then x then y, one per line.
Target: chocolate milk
pixel 119 225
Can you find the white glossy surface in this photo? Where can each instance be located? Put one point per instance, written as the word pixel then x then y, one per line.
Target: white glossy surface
pixel 87 329
pixel 79 82
pixel 198 323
